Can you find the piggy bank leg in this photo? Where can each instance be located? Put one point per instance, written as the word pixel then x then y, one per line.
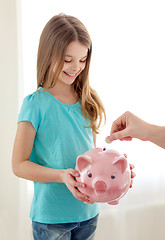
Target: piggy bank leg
pixel 114 202
pixel 89 202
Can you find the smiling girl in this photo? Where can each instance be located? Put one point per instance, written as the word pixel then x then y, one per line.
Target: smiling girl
pixel 57 123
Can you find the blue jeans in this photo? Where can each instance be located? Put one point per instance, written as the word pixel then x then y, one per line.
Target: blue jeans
pixel 65 231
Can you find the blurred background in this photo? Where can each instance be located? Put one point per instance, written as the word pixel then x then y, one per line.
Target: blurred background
pixel 127 71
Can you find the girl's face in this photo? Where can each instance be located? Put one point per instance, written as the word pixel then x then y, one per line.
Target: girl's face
pixel 74 62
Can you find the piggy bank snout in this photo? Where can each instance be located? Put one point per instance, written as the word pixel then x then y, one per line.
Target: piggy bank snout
pixel 100 187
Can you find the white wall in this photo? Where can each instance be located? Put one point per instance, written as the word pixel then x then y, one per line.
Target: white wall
pixel 9 187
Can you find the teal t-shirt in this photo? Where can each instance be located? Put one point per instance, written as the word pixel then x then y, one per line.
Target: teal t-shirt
pixel 60 137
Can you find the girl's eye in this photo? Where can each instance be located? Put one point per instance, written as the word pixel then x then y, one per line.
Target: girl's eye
pixel 69 61
pixel 112 177
pixel 83 61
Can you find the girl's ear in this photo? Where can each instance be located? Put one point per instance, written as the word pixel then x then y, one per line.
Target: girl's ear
pixel 121 163
pixel 83 162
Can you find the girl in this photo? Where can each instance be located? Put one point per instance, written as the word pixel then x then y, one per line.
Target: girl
pixel 57 123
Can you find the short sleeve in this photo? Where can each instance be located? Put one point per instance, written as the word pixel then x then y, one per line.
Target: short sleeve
pixel 30 111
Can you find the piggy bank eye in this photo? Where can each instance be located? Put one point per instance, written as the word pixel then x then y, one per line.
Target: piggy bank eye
pixel 104 149
pixel 89 175
pixel 113 176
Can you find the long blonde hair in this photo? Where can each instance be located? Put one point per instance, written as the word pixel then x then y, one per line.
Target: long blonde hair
pixel 58 33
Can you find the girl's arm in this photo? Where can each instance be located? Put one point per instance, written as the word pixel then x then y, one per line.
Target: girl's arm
pixel 24 168
pixel 21 165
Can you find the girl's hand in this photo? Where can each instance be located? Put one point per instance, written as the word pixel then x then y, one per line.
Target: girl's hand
pixel 132 174
pixel 69 180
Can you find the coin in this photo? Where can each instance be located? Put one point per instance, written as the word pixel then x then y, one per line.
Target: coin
pixel 107 140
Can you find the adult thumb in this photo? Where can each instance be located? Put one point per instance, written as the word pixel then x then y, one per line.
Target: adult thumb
pixel 119 135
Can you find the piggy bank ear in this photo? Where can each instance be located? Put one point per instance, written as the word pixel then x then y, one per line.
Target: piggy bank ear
pixel 83 162
pixel 121 163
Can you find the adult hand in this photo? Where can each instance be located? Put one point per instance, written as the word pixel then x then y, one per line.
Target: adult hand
pixel 129 126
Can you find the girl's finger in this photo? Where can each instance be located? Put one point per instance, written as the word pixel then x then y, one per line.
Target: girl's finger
pixel 131 183
pixel 131 166
pixel 80 196
pixel 133 174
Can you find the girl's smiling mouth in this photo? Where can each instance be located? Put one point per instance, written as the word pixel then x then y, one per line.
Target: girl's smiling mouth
pixel 71 74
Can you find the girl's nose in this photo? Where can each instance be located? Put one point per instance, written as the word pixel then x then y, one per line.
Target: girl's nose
pixel 75 67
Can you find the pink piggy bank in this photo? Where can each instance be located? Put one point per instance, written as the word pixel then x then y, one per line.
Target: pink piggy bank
pixel 105 173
